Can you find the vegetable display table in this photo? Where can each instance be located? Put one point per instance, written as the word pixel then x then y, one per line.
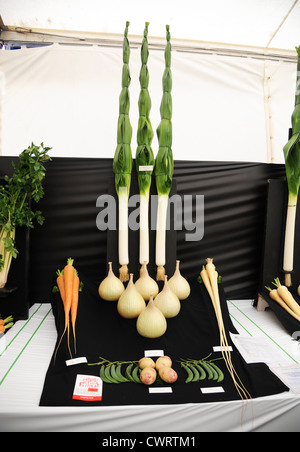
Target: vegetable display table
pixel 193 334
pixel 25 353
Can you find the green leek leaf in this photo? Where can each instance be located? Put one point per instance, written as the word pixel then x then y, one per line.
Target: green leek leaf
pixel 144 153
pixel 164 165
pixel 292 148
pixel 122 163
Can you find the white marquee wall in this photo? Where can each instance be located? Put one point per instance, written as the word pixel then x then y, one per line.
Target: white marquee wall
pixel 224 107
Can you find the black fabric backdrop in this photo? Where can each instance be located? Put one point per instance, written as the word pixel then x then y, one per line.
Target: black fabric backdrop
pixel 235 206
pixel 100 331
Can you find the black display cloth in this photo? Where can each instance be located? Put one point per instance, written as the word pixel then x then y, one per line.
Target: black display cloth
pixel 101 332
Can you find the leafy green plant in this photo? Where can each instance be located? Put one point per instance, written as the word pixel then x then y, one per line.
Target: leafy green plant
pixel 17 196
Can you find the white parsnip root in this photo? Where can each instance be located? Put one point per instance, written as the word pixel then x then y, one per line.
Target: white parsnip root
pixel 209 277
pixel 285 299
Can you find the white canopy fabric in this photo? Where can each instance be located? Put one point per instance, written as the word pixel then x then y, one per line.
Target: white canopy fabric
pixel 232 105
pixel 267 23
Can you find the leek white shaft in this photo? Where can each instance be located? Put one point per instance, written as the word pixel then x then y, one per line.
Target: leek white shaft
pixel 161 224
pixel 288 258
pixel 123 226
pixel 144 229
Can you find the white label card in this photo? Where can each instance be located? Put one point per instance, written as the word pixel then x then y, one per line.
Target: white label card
pixel 213 390
pixel 218 348
pixel 154 353
pixel 145 168
pixel 88 387
pixel 74 361
pixel 166 390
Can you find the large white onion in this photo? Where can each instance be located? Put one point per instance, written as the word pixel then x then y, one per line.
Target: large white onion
pixel 131 303
pixel 146 285
pixel 167 301
pixel 111 288
pixel 178 284
pixel 151 322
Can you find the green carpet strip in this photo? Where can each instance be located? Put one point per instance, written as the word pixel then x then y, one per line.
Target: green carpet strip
pixel 29 340
pixel 265 333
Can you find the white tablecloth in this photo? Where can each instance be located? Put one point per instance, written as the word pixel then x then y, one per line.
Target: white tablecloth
pixel 26 350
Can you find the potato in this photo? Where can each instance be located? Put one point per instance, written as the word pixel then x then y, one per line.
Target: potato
pixel 148 376
pixel 146 362
pixel 168 375
pixel 163 361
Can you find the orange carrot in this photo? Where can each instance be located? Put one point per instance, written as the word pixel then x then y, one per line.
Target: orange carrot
pixel 69 272
pixel 5 327
pixel 74 305
pixel 4 322
pixel 60 284
pixel 66 294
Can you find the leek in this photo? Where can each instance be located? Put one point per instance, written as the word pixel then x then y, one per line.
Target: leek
pixel 122 164
pixel 144 155
pixel 164 165
pixel 292 166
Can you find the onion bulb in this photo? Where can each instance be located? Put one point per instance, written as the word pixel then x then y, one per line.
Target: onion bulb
pixel 131 303
pixel 111 288
pixel 167 301
pixel 151 322
pixel 179 285
pixel 146 285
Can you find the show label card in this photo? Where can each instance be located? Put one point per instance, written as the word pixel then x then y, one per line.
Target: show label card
pixel 145 168
pixel 74 361
pixel 218 348
pixel 213 390
pixel 154 353
pixel 88 387
pixel 166 390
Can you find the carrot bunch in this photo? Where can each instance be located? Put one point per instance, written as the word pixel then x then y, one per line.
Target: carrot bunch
pixel 6 323
pixel 68 285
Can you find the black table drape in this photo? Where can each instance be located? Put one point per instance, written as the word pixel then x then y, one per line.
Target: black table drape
pixel 192 334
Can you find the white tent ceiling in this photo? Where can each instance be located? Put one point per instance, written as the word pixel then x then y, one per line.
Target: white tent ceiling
pixel 260 23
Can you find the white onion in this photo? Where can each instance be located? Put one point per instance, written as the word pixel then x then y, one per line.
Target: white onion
pixel 111 288
pixel 178 284
pixel 151 322
pixel 131 303
pixel 167 301
pixel 146 285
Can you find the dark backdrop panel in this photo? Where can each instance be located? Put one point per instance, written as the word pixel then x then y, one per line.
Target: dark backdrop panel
pixel 235 204
pixel 235 214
